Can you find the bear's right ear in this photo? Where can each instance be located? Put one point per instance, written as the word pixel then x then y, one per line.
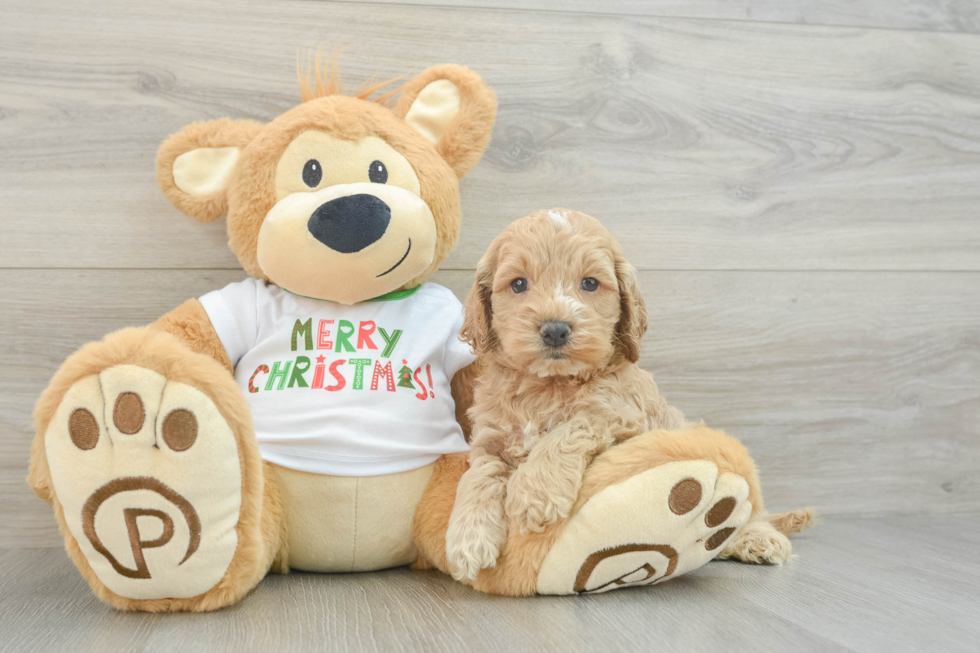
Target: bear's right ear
pixel 454 109
pixel 195 164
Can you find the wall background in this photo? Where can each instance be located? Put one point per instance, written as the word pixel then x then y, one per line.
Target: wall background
pixel 798 183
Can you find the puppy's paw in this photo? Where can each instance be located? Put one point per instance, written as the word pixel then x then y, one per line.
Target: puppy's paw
pixel 759 543
pixel 532 504
pixel 468 550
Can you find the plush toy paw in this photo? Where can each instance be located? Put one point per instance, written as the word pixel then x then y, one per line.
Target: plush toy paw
pixel 655 525
pixel 531 504
pixel 148 475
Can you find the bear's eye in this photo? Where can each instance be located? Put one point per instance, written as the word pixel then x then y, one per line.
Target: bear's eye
pixel 378 173
pixel 589 284
pixel 312 173
pixel 519 285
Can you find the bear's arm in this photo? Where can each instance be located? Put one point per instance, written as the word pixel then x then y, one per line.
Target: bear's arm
pixel 462 386
pixel 191 323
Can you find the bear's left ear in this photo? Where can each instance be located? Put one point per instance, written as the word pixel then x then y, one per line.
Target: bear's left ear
pixel 195 164
pixel 454 109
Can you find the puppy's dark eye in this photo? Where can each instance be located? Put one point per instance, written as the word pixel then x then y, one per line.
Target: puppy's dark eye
pixel 589 284
pixel 312 173
pixel 378 173
pixel 519 285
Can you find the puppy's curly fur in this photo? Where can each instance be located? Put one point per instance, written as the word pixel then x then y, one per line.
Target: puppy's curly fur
pixel 542 412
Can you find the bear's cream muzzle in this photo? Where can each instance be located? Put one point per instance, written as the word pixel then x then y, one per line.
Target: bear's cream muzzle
pixel 347 243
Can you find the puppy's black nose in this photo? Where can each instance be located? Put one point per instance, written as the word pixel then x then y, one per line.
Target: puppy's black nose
pixel 349 224
pixel 555 333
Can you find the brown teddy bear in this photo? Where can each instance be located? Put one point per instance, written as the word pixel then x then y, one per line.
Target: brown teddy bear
pixel 305 417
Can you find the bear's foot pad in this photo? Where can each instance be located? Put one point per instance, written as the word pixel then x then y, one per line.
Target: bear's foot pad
pixel 656 525
pixel 148 475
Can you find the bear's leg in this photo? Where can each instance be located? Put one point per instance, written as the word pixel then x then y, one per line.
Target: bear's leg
pixel 654 507
pixel 146 450
pixel 433 511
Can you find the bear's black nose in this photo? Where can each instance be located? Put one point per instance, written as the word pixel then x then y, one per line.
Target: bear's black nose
pixel 555 333
pixel 349 224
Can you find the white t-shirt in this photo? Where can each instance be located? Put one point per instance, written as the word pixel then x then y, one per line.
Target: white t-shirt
pixel 357 390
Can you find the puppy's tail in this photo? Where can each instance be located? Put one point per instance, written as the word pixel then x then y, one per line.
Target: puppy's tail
pixel 790 523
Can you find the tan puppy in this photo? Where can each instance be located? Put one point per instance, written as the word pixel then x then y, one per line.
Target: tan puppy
pixel 557 317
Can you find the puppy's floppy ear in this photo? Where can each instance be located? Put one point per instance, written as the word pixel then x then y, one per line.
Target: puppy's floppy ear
pixel 478 310
pixel 632 310
pixel 454 109
pixel 195 164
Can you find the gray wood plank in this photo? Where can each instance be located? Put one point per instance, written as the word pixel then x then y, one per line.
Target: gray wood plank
pixel 931 15
pixel 717 147
pixel 897 583
pixel 703 144
pixel 855 392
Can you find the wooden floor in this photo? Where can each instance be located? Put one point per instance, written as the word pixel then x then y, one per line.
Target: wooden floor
pixel 797 181
pixel 895 583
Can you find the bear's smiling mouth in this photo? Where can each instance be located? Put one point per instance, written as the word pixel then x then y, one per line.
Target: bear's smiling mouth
pixel 400 261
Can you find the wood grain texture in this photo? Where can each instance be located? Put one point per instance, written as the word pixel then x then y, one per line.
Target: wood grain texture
pixel 803 201
pixel 930 15
pixel 897 583
pixel 703 144
pixel 855 392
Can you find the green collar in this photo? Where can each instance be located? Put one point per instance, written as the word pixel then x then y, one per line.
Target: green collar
pixel 395 294
pixel 387 297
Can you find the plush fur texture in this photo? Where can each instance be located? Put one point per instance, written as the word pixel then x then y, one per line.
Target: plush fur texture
pixel 214 133
pixel 463 143
pixel 251 192
pixel 183 345
pixel 191 324
pixel 322 78
pixel 260 526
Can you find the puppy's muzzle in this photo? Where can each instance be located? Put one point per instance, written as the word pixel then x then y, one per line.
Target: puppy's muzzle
pixel 555 333
pixel 350 223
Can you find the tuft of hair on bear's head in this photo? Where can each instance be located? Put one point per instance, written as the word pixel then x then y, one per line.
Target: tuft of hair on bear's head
pixel 321 78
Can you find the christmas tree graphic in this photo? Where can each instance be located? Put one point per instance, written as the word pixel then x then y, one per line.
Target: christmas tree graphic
pixel 405 376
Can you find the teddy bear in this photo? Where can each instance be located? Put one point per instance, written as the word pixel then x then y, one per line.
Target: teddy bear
pixel 312 417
